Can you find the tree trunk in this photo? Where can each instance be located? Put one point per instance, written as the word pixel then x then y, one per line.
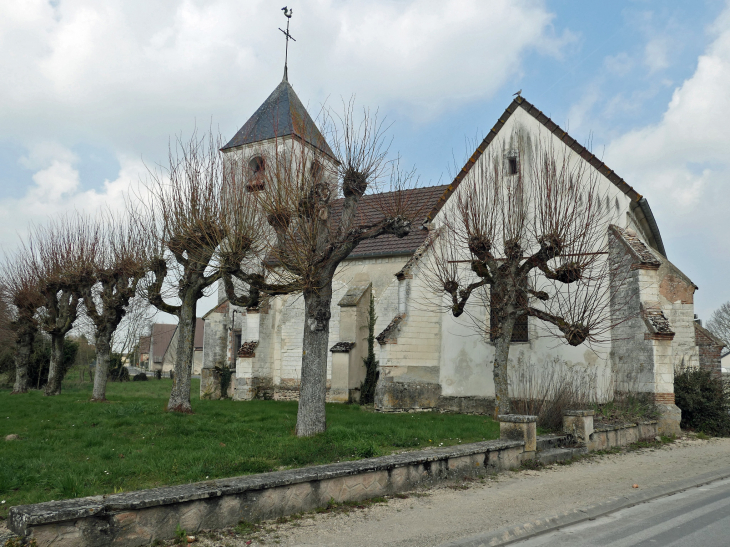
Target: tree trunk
pixel 313 389
pixel 103 353
pixel 499 371
pixel 180 395
pixel 55 369
pixel 22 359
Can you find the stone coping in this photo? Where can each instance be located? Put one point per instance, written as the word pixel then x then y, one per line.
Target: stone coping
pixel 517 418
pixel 23 516
pixel 582 413
pixel 616 427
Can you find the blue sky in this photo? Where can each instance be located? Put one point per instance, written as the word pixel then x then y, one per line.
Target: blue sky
pixel 93 91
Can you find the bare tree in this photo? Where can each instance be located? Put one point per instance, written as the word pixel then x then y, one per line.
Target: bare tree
pixel 526 236
pixel 20 293
pixel 314 231
pixel 719 323
pixel 61 256
pixel 192 211
pixel 118 266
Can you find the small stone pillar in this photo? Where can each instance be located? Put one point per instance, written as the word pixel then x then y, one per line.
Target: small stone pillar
pixel 578 424
pixel 210 383
pixel 515 427
pixel 340 383
pixel 244 380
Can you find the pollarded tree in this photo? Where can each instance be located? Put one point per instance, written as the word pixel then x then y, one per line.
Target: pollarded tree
pixel 314 207
pixel 533 234
pixel 22 299
pixel 61 255
pixel 191 210
pixel 119 265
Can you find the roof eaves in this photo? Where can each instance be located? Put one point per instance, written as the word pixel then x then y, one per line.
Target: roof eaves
pixel 405 252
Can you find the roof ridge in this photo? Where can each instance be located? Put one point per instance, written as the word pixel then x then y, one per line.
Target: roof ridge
pixel 555 129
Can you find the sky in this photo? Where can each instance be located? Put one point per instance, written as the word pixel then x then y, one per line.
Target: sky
pixel 92 92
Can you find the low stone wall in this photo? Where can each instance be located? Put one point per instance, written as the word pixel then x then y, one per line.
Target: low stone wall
pixel 138 518
pixel 609 436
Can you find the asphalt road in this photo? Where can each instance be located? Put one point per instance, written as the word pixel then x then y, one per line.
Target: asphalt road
pixel 696 517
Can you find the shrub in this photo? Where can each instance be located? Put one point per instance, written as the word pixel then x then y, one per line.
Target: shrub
pixel 548 389
pixel 704 400
pixel 140 377
pixel 367 388
pixel 158 374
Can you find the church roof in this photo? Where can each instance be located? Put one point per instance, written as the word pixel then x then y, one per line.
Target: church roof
pixel 281 115
pixel 369 210
pixel 573 144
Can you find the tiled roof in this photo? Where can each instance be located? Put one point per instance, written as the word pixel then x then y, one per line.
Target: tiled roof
pixel 144 344
pixel 161 335
pixel 556 130
pixel 282 114
pixel 418 200
pixel 199 332
pixel 709 336
pixel 637 247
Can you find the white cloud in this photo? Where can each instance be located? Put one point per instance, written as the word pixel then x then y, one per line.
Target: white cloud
pixel 682 166
pixel 656 54
pixel 124 75
pixel 127 72
pixel 56 190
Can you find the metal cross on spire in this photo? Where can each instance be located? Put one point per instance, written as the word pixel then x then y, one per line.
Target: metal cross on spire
pixel 288 36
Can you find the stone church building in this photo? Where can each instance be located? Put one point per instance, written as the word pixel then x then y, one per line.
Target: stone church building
pixel 427 358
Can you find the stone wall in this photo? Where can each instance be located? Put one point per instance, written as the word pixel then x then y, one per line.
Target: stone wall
pixel 139 518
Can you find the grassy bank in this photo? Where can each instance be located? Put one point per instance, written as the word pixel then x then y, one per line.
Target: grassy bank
pixel 69 447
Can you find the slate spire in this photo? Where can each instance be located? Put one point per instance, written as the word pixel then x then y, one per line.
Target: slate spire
pixel 282 114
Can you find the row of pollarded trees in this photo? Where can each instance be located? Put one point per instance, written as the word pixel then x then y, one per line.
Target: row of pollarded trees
pixel 74 265
pixel 534 238
pixel 197 222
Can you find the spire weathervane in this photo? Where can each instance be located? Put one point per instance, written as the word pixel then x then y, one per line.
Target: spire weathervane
pixel 288 36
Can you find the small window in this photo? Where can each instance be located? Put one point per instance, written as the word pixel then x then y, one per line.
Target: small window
pixel 257 166
pixel 237 341
pixel 519 331
pixel 512 165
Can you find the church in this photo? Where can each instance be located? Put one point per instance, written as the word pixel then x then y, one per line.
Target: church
pixel 429 360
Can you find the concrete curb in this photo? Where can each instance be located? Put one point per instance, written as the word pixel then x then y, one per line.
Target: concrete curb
pixel 513 534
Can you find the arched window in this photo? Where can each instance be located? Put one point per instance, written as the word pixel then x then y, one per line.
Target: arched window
pixel 257 166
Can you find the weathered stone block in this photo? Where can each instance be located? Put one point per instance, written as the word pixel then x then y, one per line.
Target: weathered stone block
pixel 394 395
pixel 670 416
pixel 514 427
pixel 578 424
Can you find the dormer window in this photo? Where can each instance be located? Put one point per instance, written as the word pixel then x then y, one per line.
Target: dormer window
pixel 257 166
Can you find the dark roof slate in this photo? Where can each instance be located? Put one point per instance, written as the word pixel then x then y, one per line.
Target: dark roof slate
pixel 282 114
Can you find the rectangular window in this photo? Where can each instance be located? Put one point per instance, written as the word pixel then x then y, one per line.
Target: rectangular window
pixel 236 342
pixel 519 331
pixel 512 165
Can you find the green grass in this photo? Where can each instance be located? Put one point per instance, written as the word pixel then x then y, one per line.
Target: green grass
pixel 69 447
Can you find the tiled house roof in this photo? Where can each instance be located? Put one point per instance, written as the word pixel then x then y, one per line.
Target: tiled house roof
pixel 642 254
pixel 419 200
